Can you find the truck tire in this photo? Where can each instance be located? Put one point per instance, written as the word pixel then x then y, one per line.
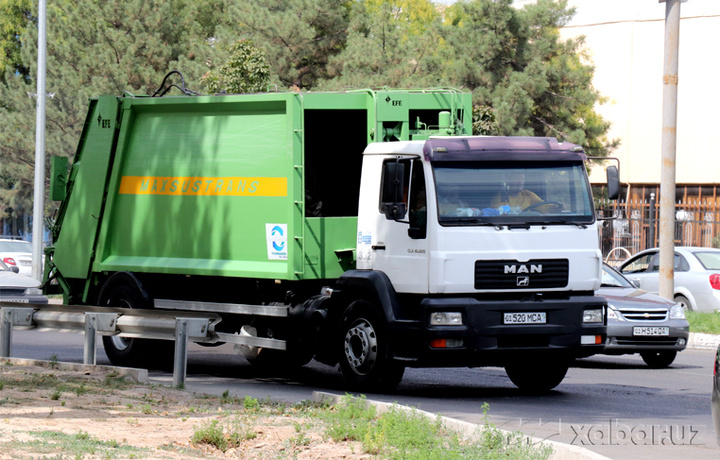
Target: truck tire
pixel 658 359
pixel 366 355
pixel 130 352
pixel 538 376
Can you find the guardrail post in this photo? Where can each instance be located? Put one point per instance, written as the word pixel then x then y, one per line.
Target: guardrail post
pixel 181 341
pixel 90 353
pixel 6 324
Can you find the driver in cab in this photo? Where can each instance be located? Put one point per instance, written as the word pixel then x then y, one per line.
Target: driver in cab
pixel 514 195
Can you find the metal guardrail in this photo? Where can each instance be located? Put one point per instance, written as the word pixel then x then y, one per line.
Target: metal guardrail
pixel 180 326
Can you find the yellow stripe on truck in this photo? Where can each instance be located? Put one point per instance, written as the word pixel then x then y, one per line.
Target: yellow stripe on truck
pixel 204 186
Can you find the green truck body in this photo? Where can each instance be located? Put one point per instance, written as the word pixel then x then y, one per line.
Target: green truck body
pixel 190 185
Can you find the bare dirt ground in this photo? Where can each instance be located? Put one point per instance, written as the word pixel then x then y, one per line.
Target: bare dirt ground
pixel 58 413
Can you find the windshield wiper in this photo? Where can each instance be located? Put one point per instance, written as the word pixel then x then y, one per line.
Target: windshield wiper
pixel 559 222
pixel 468 220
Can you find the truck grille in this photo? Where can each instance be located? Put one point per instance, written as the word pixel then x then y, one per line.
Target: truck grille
pixel 511 274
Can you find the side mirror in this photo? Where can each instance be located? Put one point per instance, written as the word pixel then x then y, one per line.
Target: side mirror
pixel 14 269
pixel 58 178
pixel 613 182
pixel 391 195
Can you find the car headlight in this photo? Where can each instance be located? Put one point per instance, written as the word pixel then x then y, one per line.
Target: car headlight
pixel 612 313
pixel 677 312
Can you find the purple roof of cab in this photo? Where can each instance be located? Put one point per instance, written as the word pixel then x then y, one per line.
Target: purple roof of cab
pixel 499 148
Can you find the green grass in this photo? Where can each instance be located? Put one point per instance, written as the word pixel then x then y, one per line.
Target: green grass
pixel 395 434
pixel 398 434
pixel 74 446
pixel 707 323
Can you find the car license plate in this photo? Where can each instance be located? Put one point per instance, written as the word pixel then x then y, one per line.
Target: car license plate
pixel 15 300
pixel 524 318
pixel 651 331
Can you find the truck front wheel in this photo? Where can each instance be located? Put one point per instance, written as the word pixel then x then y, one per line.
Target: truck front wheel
pixel 127 352
pixel 366 355
pixel 537 376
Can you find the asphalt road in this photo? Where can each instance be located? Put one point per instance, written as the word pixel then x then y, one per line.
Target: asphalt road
pixel 614 406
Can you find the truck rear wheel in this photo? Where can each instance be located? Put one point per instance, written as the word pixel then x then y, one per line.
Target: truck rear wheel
pixel 366 355
pixel 538 376
pixel 130 352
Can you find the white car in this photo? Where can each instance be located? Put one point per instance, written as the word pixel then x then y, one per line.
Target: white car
pixel 696 271
pixel 19 288
pixel 16 253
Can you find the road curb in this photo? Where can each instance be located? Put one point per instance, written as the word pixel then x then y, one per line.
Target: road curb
pixel 137 375
pixel 703 341
pixel 469 430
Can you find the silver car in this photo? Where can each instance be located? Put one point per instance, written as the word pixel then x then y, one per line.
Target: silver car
pixel 696 270
pixel 639 322
pixel 18 288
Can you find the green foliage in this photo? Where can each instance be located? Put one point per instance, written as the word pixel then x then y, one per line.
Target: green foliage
pixel 251 404
pixel 350 419
pixel 515 62
pixel 398 434
pixel 76 445
pixel 298 36
pixel 389 44
pixel 222 436
pixel 707 323
pixel 715 242
pixel 484 122
pixel 246 71
pixel 14 18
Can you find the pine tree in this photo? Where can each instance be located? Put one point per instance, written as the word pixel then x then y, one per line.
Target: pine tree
pixel 298 36
pixel 515 61
pixel 94 48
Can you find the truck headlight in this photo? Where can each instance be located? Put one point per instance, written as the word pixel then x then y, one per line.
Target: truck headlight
pixel 594 315
pixel 442 318
pixel 677 312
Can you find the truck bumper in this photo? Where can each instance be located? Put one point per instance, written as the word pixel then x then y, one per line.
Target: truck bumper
pixel 485 339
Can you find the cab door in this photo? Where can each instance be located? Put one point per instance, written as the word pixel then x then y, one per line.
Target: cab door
pixel 401 249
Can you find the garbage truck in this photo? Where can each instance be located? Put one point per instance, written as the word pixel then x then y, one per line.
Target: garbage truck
pixel 366 229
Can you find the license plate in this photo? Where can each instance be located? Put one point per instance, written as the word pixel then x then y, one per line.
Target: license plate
pixel 15 300
pixel 524 318
pixel 651 331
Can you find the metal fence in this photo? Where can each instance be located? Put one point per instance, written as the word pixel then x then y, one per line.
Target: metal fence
pixel 165 325
pixel 636 227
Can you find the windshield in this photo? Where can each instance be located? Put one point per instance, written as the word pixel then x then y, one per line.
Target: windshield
pixel 611 278
pixel 3 267
pixel 15 246
pixel 509 193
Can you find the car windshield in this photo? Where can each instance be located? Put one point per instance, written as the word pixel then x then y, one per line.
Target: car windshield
pixel 15 246
pixel 709 260
pixel 611 278
pixel 3 267
pixel 504 193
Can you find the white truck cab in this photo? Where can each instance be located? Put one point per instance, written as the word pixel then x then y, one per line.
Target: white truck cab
pixel 490 245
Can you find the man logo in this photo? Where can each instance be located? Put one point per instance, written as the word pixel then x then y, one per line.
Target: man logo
pixel 523 281
pixel 520 269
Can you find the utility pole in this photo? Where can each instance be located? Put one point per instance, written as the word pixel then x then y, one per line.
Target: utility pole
pixel 669 141
pixel 38 228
